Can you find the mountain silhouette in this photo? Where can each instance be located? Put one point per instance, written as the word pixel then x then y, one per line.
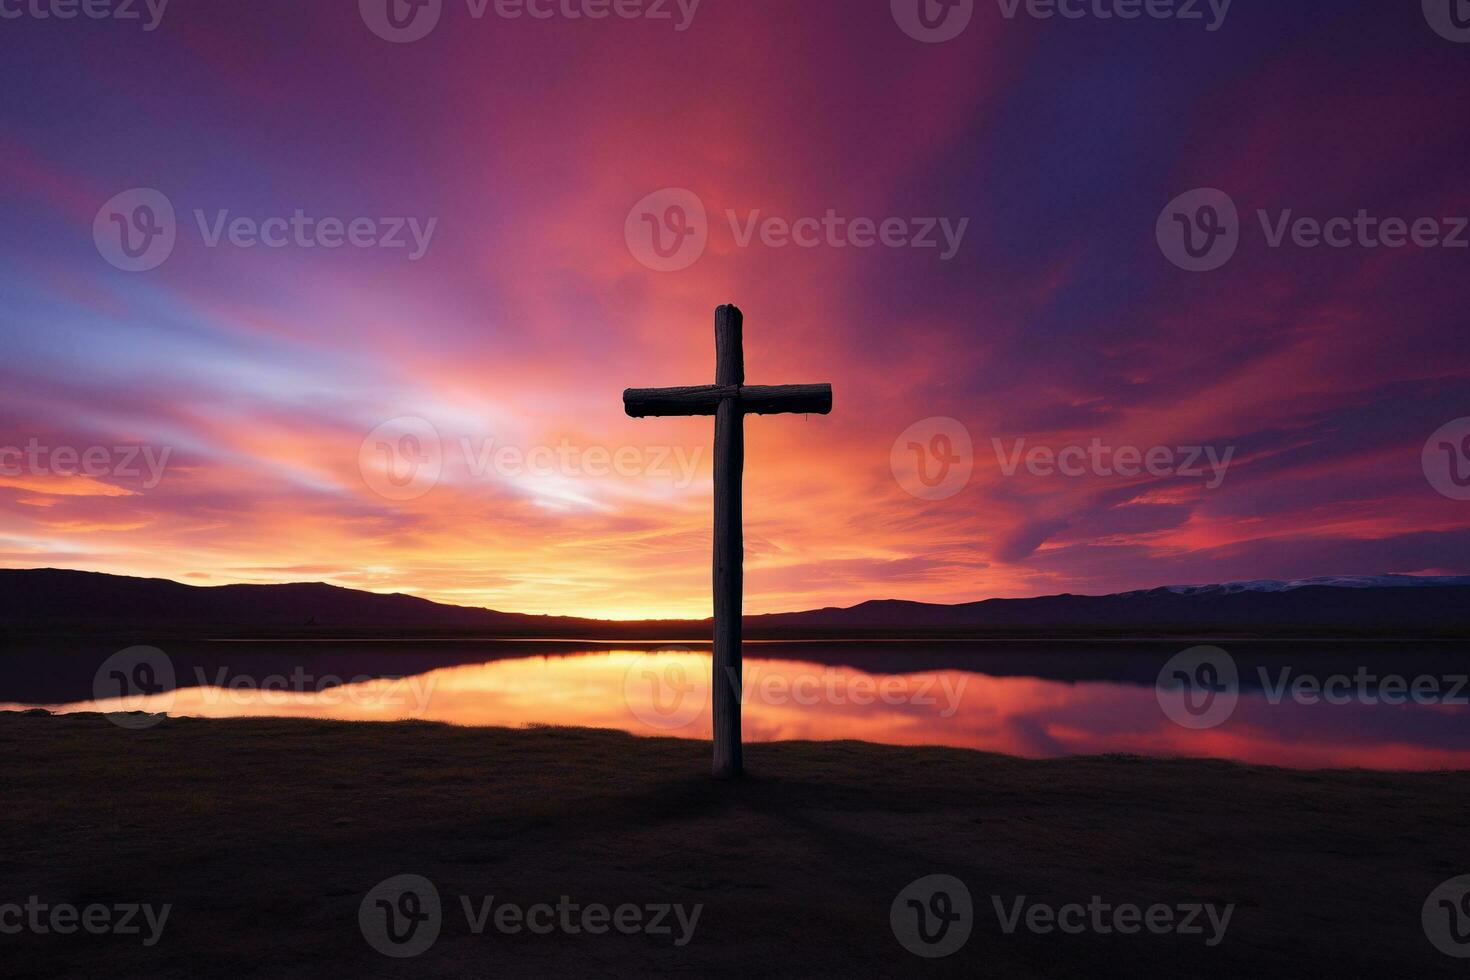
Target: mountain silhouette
pixel 49 600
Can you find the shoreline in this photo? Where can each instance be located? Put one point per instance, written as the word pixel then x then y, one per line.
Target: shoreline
pixel 154 719
pixel 12 637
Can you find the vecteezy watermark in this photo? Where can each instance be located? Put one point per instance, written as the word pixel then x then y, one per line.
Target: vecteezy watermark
pixel 147 12
pixel 1446 917
pixel 933 21
pixel 833 230
pixel 937 21
pixel 932 916
pixel 1210 13
pixel 406 21
pixel 122 462
pixel 1200 687
pixel 672 920
pixel 40 918
pixel 402 917
pixel 139 678
pixel 1098 459
pixel 405 697
pixel 1364 686
pixel 145 682
pixel 933 459
pixel 660 692
pixel 1446 459
pixel 402 459
pixel 1103 918
pixel 669 230
pixel 138 230
pixel 405 458
pixel 1450 19
pixel 1200 230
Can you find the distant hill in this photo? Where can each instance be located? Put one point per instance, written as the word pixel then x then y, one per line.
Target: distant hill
pixel 1398 608
pixel 55 599
pixel 59 601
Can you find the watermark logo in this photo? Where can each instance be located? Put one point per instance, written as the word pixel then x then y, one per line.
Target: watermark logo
pixel 401 916
pixel 1199 687
pixel 401 21
pixel 136 231
pixel 933 459
pixel 1446 917
pixel 402 459
pixel 933 21
pixel 1446 459
pixel 138 677
pixel 668 230
pixel 1199 230
pixel 659 691
pixel 932 917
pixel 1450 19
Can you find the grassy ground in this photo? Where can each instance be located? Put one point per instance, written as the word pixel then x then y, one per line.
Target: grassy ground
pixel 265 836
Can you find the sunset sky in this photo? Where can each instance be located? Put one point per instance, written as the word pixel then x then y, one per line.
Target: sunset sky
pixel 1059 320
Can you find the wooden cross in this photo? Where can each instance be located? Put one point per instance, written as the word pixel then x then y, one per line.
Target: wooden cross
pixel 729 400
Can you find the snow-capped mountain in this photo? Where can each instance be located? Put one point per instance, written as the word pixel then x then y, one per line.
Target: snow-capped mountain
pixel 1333 581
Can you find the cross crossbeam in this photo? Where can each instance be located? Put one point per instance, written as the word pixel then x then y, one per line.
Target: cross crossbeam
pixel 705 400
pixel 729 400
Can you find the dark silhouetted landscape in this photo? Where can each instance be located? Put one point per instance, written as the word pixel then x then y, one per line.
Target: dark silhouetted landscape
pixel 69 602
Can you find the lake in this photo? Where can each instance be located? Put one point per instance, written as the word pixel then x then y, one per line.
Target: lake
pixel 1301 705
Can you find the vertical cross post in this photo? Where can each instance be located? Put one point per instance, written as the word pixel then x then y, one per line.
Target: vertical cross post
pixel 729 400
pixel 729 556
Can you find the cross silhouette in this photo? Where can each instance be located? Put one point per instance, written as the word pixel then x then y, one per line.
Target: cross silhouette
pixel 729 400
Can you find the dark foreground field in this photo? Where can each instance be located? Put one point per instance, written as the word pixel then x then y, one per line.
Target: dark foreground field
pixel 266 836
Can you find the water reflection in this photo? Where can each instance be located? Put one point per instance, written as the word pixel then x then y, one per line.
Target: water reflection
pixel 1095 703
